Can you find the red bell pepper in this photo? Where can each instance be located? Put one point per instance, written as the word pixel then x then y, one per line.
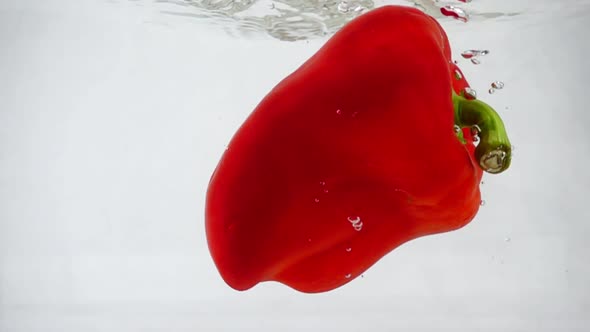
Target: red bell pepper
pixel 355 153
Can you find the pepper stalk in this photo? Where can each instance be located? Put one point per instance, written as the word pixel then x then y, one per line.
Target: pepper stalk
pixel 494 151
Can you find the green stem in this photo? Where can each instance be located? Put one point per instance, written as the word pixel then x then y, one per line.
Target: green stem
pixel 494 151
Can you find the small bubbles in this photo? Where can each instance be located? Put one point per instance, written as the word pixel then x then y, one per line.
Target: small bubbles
pixel 469 93
pixel 458 75
pixel 482 203
pixel 473 55
pixel 343 7
pixel 492 91
pixel 317 200
pixel 356 222
pixel 348 276
pixel 322 183
pixel 339 111
pixel 498 85
pixel 348 249
pixel 455 12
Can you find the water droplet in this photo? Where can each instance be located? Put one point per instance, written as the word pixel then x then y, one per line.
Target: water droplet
pixel 348 276
pixel 498 85
pixel 348 249
pixel 343 7
pixel 322 183
pixel 317 200
pixel 457 129
pixel 482 203
pixel 469 93
pixel 475 61
pixel 458 75
pixel 492 91
pixel 455 12
pixel 338 111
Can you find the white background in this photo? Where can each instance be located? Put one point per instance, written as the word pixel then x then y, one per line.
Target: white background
pixel 113 114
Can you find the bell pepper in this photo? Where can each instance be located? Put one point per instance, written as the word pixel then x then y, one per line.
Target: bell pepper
pixel 368 145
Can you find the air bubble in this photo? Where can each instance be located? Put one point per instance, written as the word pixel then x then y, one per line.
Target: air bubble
pixel 317 200
pixel 469 93
pixel 468 54
pixel 492 91
pixel 475 61
pixel 455 12
pixel 457 129
pixel 338 111
pixel 498 85
pixel 458 75
pixel 482 203
pixel 343 7
pixel 356 222
pixel 348 276
pixel 348 249
pixel 475 130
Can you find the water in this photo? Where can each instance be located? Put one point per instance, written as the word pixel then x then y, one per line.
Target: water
pixel 115 113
